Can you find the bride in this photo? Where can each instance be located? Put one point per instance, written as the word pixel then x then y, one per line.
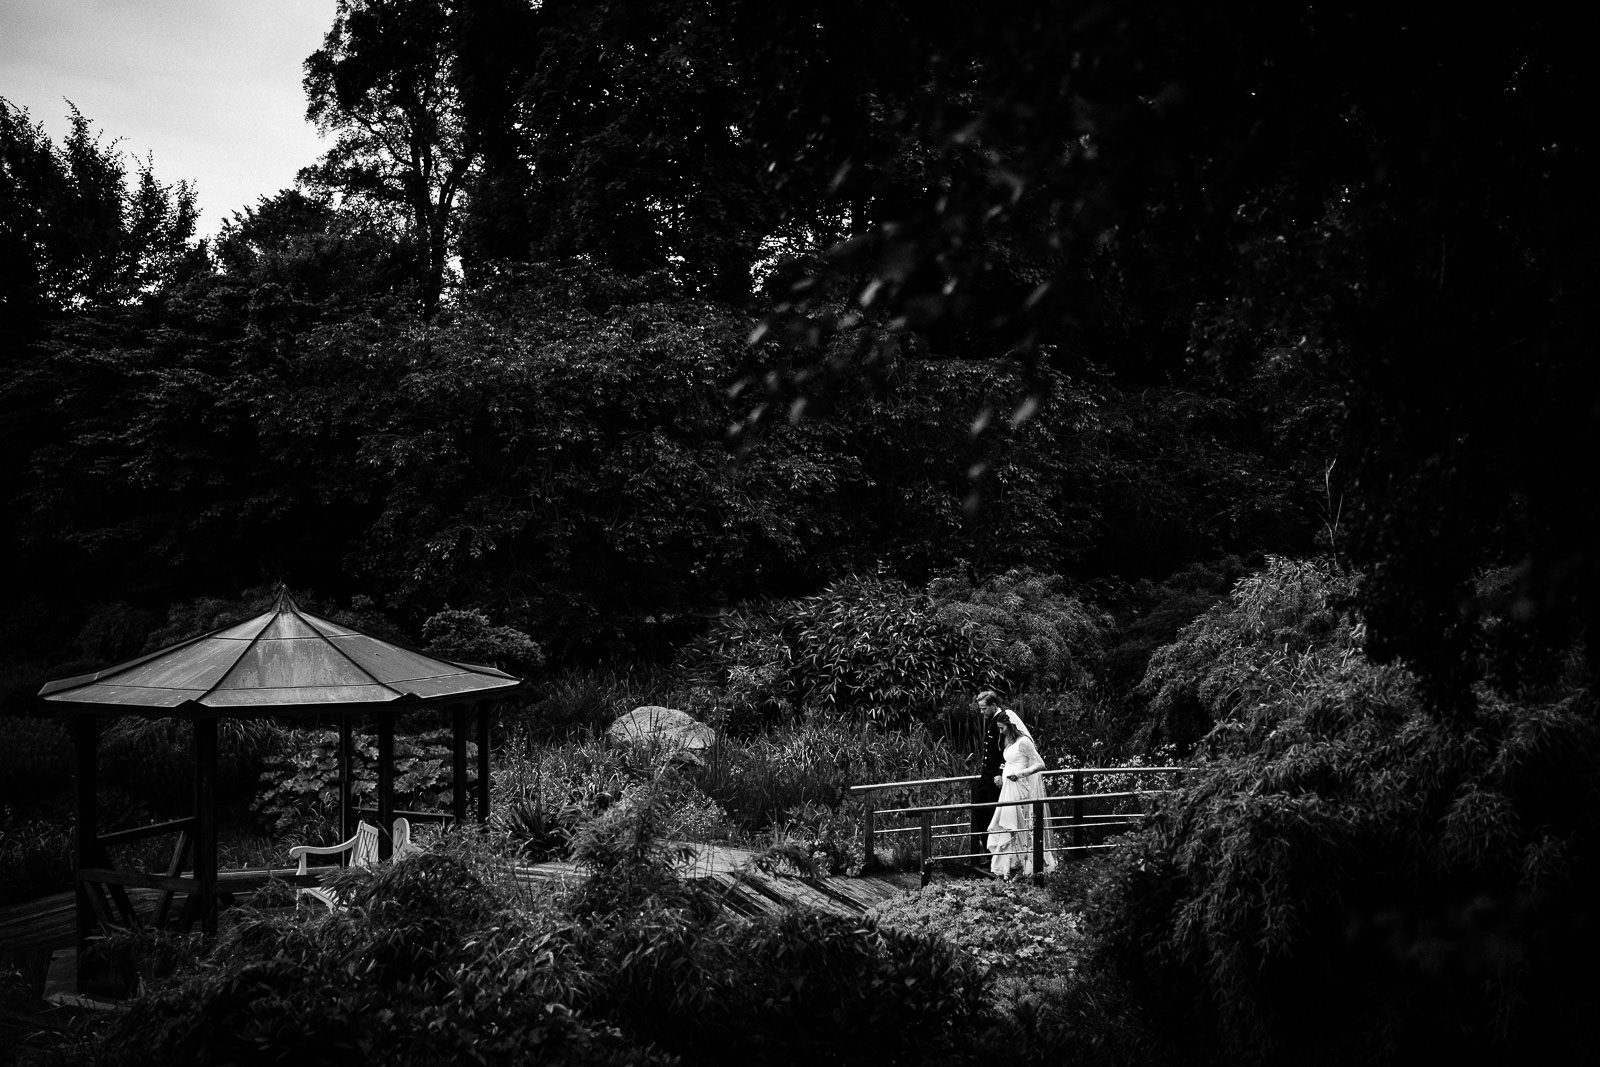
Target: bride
pixel 1011 829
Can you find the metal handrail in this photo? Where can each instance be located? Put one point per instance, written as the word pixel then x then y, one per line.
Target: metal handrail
pixel 1046 823
pixel 414 816
pixel 1055 773
pixel 976 805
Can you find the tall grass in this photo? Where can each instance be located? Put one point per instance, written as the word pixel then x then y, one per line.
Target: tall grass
pixel 794 780
pixel 765 780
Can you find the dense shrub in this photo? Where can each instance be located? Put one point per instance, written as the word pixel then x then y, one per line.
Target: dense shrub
pixel 749 663
pixel 466 635
pixel 790 786
pixel 1354 881
pixel 542 794
pixel 1519 650
pixel 1013 928
pixel 424 967
pixel 868 648
pixel 1278 630
pixel 1024 623
pixel 1150 613
pixel 792 989
pixel 766 779
pixel 1055 1006
pixel 1070 725
pixel 872 648
pixel 816 840
pixel 822 988
pixel 434 960
pixel 557 774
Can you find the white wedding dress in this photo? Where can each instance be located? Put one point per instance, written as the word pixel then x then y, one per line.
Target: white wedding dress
pixel 1011 829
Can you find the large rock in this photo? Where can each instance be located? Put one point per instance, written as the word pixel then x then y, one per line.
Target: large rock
pixel 664 728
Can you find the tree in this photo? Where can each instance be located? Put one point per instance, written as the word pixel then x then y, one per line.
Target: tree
pixel 631 144
pixel 73 234
pixel 383 83
pixel 1395 208
pixel 298 245
pixel 84 245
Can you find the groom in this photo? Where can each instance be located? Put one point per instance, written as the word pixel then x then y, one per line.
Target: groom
pixel 990 759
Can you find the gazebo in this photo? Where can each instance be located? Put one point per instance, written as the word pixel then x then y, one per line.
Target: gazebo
pixel 283 662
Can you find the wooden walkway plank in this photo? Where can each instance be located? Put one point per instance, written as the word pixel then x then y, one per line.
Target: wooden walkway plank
pixel 44 922
pixel 555 871
pixel 741 899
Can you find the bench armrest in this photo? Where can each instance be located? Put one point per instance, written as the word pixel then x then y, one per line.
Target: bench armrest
pixel 300 852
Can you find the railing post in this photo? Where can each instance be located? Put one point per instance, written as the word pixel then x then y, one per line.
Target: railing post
pixel 86 830
pixel 347 814
pixel 205 822
pixel 484 773
pixel 1038 836
pixel 1077 809
pixel 385 786
pixel 459 725
pixel 868 859
pixel 927 847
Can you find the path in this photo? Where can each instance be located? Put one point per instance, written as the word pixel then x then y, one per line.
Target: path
pixel 46 923
pixel 730 872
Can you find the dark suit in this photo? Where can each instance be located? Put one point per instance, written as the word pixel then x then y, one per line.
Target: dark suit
pixel 984 791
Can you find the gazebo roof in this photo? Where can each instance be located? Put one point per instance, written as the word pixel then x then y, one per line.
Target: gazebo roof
pixel 283 660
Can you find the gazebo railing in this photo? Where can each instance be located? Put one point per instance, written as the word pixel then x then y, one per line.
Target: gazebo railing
pixel 106 886
pixel 442 817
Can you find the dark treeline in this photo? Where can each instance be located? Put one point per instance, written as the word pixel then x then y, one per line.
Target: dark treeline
pixel 1093 293
pixel 1096 293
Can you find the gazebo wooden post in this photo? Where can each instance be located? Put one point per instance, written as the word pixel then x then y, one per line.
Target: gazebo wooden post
pixel 205 821
pixel 483 762
pixel 458 764
pixel 86 811
pixel 347 816
pixel 385 785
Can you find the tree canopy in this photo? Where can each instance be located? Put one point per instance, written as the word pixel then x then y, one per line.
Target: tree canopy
pixel 752 298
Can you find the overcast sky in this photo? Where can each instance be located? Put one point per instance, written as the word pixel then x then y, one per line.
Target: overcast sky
pixel 210 89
